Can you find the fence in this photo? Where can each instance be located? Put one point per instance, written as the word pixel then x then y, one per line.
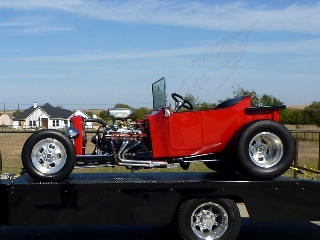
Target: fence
pixel 306 135
pixel 11 143
pixel 308 151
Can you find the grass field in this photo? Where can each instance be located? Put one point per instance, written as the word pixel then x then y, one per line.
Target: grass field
pixel 11 144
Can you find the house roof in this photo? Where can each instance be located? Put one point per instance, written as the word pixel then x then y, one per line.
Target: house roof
pixel 53 112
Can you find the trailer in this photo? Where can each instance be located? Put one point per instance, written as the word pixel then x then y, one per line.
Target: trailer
pixel 197 205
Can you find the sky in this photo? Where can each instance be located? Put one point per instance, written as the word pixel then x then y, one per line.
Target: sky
pixel 94 54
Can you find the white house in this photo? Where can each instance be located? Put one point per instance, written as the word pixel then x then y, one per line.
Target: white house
pixel 80 112
pixel 46 116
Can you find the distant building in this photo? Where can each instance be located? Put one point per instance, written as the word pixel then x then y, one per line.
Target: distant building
pixel 46 116
pixel 5 120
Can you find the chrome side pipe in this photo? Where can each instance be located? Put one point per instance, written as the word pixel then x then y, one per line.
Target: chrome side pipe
pixel 121 161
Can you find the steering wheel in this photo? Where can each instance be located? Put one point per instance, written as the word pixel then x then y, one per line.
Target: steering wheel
pixel 181 102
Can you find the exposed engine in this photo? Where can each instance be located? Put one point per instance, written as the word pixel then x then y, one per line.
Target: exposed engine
pixel 124 143
pixel 112 138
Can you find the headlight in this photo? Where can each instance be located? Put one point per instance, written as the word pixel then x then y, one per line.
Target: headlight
pixel 72 133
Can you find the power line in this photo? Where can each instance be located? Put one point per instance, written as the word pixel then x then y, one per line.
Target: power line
pixel 72 104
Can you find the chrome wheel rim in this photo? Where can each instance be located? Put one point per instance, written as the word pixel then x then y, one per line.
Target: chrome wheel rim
pixel 209 221
pixel 265 149
pixel 48 156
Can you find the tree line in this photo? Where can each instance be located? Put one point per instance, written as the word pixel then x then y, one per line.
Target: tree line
pixel 310 115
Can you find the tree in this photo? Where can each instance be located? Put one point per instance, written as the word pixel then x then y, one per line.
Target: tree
pixel 141 112
pixel 263 100
pixel 240 91
pixel 16 113
pixel 205 106
pixel 104 115
pixel 312 112
pixel 122 105
pixel 193 100
pixel 268 100
pixel 197 104
pixel 292 116
pixel 314 105
pixel 89 113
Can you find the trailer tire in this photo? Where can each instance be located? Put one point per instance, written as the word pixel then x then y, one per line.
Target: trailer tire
pixel 266 150
pixel 48 155
pixel 208 219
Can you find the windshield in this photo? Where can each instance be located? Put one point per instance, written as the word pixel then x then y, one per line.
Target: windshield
pixel 159 93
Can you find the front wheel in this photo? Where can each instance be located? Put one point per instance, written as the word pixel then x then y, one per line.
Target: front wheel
pixel 48 155
pixel 209 219
pixel 266 150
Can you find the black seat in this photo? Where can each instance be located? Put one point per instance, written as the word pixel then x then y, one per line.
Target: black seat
pixel 230 102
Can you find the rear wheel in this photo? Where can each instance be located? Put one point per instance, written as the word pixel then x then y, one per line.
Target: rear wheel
pixel 265 150
pixel 208 219
pixel 48 155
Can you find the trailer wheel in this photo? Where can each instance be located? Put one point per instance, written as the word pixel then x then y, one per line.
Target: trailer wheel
pixel 265 150
pixel 208 219
pixel 48 155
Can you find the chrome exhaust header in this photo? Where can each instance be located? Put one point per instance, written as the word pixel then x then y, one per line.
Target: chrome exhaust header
pixel 121 161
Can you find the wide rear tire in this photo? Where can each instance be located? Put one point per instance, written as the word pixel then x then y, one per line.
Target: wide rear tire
pixel 48 155
pixel 266 150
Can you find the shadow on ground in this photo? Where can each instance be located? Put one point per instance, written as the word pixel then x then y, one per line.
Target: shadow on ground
pixel 249 230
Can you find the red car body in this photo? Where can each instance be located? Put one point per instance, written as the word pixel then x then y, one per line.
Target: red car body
pixel 205 131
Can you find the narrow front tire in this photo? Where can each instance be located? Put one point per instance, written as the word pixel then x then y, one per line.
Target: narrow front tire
pixel 48 155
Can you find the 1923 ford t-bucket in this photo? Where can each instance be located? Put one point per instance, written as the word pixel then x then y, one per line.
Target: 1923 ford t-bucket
pixel 234 136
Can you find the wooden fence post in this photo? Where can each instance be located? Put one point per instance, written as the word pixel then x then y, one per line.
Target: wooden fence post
pixel 0 162
pixel 296 159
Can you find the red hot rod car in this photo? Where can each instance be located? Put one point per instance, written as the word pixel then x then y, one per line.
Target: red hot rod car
pixel 234 136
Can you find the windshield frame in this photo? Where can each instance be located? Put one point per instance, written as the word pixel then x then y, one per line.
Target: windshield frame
pixel 159 95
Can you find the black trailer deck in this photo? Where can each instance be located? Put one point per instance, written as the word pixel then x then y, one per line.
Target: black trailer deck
pixel 157 198
pixel 149 198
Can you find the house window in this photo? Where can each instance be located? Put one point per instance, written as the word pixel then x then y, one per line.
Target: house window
pixel 32 123
pixel 55 123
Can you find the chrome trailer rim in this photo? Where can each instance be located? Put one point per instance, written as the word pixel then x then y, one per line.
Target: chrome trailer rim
pixel 265 149
pixel 48 156
pixel 209 221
